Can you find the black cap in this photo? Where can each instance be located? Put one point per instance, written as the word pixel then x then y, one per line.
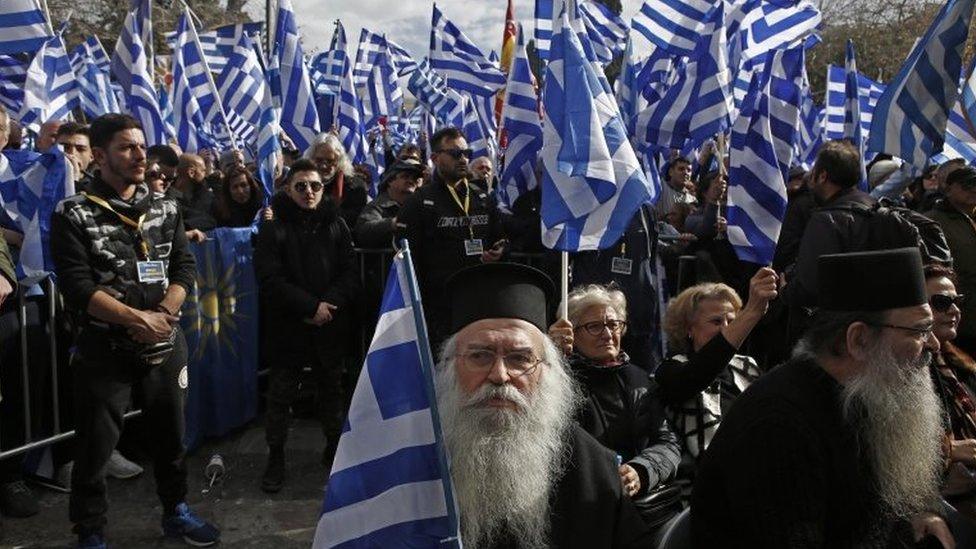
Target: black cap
pixel 405 165
pixel 871 281
pixel 500 290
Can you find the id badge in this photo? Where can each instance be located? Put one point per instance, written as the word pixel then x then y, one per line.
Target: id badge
pixel 473 246
pixel 621 265
pixel 151 272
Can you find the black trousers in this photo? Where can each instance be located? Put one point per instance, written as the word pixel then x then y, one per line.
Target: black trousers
pixel 283 388
pixel 103 388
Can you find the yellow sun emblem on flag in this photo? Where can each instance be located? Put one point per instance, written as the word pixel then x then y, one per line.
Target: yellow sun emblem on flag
pixel 211 308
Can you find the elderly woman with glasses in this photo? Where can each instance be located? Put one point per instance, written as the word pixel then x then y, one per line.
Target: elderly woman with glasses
pixel 954 373
pixel 622 409
pixel 706 324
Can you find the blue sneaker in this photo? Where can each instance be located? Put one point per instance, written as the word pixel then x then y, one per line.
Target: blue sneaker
pixel 191 528
pixel 91 541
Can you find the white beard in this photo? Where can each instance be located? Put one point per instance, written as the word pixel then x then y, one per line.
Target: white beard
pixel 900 417
pixel 505 462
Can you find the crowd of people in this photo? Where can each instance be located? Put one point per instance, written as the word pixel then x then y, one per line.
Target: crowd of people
pixel 826 400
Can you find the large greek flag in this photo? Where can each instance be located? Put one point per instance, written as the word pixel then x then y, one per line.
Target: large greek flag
pixel 23 27
pixel 299 118
pixel 131 68
pixel 852 111
pixel 50 89
pixel 326 68
pixel 390 485
pixel 521 128
pixel 190 80
pixel 592 182
pixel 371 46
pixel 432 92
pixel 868 91
pixel 465 67
pixel 350 119
pixel 383 93
pixel 606 30
pixel 218 44
pixel 91 66
pixel 911 115
pixel 676 26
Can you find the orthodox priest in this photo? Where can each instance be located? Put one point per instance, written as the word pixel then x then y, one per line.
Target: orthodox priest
pixel 524 475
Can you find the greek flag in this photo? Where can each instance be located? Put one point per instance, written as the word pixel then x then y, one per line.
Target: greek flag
pixel 23 27
pixel 676 26
pixel 699 104
pixel 268 144
pixel 91 48
pixel 543 27
pixel 607 31
pixel 474 131
pixel 521 128
pixel 383 88
pixel 350 119
pixel 390 484
pixel 911 115
pixel 91 66
pixel 217 44
pixel 760 156
pixel 867 90
pixel 326 68
pixel 31 185
pixel 959 139
pixel 13 74
pixel 432 92
pixel 810 133
pixel 771 26
pixel 592 182
pixel 852 111
pixel 50 89
pixel 131 68
pixel 241 85
pixel 371 47
pixel 299 118
pixel 190 75
pixel 465 67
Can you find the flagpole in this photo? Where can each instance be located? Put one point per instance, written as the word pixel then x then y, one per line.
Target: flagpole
pixel 47 12
pixel 563 284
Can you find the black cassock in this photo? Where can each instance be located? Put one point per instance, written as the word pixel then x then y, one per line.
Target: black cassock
pixel 589 509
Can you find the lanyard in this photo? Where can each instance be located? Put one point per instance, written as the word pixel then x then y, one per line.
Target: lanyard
pixel 464 206
pixel 135 224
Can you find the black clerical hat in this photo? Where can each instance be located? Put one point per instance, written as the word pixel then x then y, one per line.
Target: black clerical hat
pixel 500 290
pixel 871 281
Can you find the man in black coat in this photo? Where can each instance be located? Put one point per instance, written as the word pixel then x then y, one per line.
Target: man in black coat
pixel 377 222
pixel 306 271
pixel 841 446
pixel 524 474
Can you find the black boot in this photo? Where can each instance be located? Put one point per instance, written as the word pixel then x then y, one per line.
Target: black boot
pixel 274 473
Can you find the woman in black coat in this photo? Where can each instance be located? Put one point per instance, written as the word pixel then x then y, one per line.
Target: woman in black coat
pixel 622 409
pixel 308 279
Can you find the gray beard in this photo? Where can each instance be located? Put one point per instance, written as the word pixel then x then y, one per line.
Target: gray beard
pixel 505 463
pixel 899 417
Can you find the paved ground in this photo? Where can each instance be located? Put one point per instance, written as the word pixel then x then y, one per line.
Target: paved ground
pixel 247 516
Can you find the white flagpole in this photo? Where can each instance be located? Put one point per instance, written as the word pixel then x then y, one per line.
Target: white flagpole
pixel 563 284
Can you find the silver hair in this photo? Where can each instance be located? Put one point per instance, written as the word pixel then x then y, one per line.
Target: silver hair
pixel 584 297
pixel 505 463
pixel 332 142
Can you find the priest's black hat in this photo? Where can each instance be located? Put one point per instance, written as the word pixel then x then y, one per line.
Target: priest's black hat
pixel 500 290
pixel 871 281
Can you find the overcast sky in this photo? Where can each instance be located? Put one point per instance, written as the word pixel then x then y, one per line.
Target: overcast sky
pixel 407 22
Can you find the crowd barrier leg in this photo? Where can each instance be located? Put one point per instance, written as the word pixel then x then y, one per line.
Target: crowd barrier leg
pixel 52 295
pixel 25 366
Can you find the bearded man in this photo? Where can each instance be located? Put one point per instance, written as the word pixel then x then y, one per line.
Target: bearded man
pixel 840 447
pixel 524 475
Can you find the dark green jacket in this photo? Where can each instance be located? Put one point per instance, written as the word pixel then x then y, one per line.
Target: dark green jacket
pixel 960 233
pixel 6 262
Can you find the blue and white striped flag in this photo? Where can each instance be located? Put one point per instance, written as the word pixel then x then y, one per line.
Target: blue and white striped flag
pixel 911 115
pixel 242 85
pixel 521 128
pixel 592 182
pixel 31 185
pixel 760 157
pixel 91 48
pixel 383 93
pixel 607 31
pixel 960 142
pixel 92 66
pixel 51 89
pixel 474 132
pixel 543 27
pixel 771 26
pixel 268 145
pixel 676 26
pixel 350 119
pixel 852 111
pixel 811 131
pixel 218 44
pixel 13 74
pixel 699 104
pixel 431 92
pixel 465 67
pixel 131 68
pixel 371 46
pixel 23 26
pixel 326 68
pixel 190 80
pixel 299 118
pixel 869 92
pixel 390 485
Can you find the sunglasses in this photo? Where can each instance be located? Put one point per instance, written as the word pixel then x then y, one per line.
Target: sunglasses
pixel 302 186
pixel 942 303
pixel 456 154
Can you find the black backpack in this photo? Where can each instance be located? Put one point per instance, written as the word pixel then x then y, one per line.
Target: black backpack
pixel 893 226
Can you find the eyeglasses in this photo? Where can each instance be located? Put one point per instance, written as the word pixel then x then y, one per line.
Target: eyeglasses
pixel 517 363
pixel 302 186
pixel 151 176
pixel 942 302
pixel 596 328
pixel 456 154
pixel 924 333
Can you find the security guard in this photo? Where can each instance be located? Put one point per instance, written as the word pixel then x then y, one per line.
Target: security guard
pixel 124 269
pixel 450 224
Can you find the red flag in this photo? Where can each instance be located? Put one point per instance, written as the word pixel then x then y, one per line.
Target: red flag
pixel 508 53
